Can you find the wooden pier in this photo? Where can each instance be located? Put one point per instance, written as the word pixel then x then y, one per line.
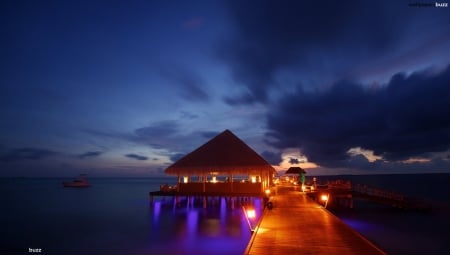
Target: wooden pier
pixel 390 198
pixel 341 194
pixel 298 225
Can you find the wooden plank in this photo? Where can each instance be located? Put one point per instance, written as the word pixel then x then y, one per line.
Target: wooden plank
pixel 297 225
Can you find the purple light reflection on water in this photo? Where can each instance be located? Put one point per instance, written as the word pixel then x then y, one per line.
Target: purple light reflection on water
pixel 114 217
pixel 217 229
pixel 192 221
pixel 359 225
pixel 156 211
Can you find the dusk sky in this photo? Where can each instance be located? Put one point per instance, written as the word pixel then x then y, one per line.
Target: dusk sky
pixel 124 88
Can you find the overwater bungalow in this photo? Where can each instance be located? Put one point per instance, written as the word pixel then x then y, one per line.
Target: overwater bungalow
pixel 225 165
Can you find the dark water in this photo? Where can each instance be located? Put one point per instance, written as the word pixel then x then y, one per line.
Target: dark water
pixel 113 217
pixel 403 232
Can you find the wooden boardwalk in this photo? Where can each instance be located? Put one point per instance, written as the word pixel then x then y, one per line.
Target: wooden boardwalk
pixel 298 225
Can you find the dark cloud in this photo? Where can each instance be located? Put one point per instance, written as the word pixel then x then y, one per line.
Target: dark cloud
pixel 242 99
pixel 188 115
pixel 272 157
pixel 176 157
pixel 190 84
pixel 157 135
pixel 136 156
pixel 168 135
pixel 165 135
pixel 108 134
pixel 408 117
pixel 27 154
pixel 160 130
pixel 294 161
pixel 89 154
pixel 312 40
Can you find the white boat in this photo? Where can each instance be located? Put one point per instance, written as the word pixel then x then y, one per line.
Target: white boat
pixel 80 182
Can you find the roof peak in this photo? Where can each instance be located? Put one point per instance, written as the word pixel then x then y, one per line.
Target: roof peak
pixel 223 153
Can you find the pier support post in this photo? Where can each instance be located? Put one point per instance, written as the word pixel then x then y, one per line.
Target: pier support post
pixel 204 201
pixel 177 201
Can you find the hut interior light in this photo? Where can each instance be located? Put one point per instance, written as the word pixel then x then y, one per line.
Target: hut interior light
pixel 185 179
pixel 214 179
pixel 253 179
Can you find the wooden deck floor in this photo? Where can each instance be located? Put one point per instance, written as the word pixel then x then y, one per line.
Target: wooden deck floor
pixel 297 225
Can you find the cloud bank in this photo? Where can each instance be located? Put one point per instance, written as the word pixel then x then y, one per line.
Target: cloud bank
pixel 408 117
pixel 136 156
pixel 90 154
pixel 278 44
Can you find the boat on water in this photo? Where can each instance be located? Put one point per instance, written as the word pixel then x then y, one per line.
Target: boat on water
pixel 80 182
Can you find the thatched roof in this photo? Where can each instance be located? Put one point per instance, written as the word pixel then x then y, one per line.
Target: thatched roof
pixel 222 155
pixel 295 170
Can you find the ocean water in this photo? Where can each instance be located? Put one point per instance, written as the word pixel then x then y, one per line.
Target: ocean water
pixel 398 231
pixel 114 216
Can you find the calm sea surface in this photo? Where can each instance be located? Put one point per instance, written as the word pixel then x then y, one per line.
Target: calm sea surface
pixel 114 217
pixel 404 232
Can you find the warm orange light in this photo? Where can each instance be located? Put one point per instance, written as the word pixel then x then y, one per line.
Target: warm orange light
pixel 324 197
pixel 267 191
pixel 251 214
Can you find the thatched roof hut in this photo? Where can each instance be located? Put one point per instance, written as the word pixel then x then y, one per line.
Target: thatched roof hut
pixel 224 154
pixel 295 170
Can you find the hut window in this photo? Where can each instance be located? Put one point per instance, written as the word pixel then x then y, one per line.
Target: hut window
pixel 185 179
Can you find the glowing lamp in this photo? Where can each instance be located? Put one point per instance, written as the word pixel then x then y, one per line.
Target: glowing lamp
pixel 253 179
pixel 251 214
pixel 214 179
pixel 267 191
pixel 324 197
pixel 185 179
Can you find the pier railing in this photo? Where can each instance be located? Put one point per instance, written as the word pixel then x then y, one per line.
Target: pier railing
pixel 378 193
pixel 344 190
pixel 390 198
